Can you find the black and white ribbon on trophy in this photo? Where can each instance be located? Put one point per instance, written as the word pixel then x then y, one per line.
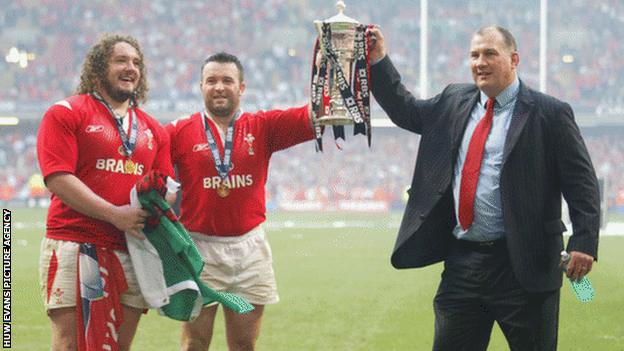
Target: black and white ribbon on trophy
pixel 318 91
pixel 355 94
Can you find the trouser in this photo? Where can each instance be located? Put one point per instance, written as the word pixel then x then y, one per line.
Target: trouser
pixel 479 287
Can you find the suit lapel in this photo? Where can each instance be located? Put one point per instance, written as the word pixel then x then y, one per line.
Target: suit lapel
pixel 466 104
pixel 519 118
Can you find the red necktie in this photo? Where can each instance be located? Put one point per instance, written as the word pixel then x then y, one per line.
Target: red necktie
pixel 472 166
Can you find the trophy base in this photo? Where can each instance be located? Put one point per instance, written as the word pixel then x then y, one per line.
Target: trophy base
pixel 334 121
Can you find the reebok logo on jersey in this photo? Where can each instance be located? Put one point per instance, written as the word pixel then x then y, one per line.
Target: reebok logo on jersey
pixel 94 128
pixel 200 147
pixel 119 166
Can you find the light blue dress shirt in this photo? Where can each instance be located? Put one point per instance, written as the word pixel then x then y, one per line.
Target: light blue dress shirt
pixel 488 214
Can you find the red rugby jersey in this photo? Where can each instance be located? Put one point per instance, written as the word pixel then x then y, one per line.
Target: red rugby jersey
pixel 78 135
pixel 256 137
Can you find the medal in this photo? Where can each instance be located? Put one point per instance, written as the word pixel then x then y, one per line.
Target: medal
pixel 223 166
pixel 129 167
pixel 223 190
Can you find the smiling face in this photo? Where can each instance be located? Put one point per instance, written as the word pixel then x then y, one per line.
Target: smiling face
pixel 221 88
pixel 493 63
pixel 123 73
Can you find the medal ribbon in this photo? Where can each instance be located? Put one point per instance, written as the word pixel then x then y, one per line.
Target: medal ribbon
pixel 129 143
pixel 223 166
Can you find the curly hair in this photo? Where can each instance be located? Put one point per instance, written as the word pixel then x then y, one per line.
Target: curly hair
pixel 95 66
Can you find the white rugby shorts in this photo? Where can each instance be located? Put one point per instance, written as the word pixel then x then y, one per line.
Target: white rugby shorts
pixel 58 281
pixel 242 265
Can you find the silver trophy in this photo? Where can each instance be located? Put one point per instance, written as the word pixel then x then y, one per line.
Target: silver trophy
pixel 342 29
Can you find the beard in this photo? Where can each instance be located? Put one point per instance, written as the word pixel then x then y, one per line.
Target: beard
pixel 223 111
pixel 116 94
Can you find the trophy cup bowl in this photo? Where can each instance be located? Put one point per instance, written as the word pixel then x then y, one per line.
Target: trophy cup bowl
pixel 342 40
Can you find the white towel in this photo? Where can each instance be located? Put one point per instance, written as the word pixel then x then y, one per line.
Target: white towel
pixel 146 261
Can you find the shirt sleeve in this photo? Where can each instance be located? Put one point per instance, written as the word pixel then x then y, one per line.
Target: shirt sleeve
pixel 57 145
pixel 162 161
pixel 288 127
pixel 171 131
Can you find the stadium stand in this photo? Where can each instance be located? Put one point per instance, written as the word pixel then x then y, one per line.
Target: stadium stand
pixel 274 40
pixel 300 178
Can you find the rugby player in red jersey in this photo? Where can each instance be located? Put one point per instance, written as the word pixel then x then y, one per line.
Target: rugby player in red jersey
pixel 92 148
pixel 222 156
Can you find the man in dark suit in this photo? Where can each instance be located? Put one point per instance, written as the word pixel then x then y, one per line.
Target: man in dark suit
pixel 494 159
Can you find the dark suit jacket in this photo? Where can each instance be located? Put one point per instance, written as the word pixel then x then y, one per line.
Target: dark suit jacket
pixel 544 157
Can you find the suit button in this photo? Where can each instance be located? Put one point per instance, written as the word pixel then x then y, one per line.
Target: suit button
pixel 440 191
pixel 422 215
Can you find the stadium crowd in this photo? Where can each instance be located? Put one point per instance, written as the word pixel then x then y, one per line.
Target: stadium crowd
pixel 353 172
pixel 274 40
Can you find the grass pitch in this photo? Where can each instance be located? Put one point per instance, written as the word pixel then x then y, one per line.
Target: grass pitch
pixel 338 292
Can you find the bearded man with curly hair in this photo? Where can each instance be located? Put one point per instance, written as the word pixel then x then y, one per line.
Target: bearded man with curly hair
pixel 93 147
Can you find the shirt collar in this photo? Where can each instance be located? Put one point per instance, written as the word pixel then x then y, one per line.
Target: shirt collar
pixel 506 96
pixel 205 114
